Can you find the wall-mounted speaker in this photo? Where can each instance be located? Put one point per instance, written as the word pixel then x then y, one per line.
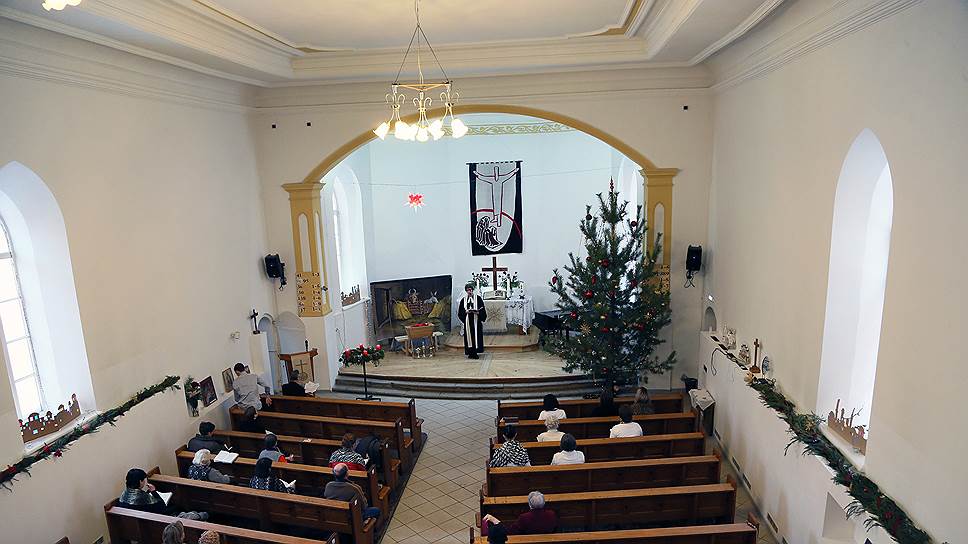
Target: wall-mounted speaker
pixel 694 259
pixel 275 268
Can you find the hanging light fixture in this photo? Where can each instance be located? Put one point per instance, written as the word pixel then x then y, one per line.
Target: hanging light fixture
pixel 58 5
pixel 423 129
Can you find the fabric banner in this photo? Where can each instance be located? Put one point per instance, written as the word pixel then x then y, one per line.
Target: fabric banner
pixel 495 207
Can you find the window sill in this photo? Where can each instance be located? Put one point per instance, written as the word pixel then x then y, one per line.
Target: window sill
pixel 355 304
pixel 37 443
pixel 855 457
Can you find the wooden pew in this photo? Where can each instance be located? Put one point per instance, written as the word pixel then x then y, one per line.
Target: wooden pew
pixel 603 476
pixel 334 428
pixel 126 526
pixel 306 451
pixel 619 449
pixel 310 480
pixel 355 409
pixel 733 533
pixel 269 508
pixel 664 402
pixel 680 505
pixel 599 427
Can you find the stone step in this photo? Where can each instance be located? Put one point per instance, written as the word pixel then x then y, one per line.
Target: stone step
pixel 468 389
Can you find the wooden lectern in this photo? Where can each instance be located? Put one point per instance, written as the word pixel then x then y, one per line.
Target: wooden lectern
pixel 302 361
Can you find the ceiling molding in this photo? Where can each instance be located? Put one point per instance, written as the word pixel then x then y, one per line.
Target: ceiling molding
pixel 46 23
pixel 668 18
pixel 828 27
pixel 634 11
pixel 758 15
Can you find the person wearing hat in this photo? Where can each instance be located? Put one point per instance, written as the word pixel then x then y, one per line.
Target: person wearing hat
pixel 472 315
pixel 202 469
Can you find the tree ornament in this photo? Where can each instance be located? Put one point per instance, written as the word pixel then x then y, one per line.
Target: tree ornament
pixel 604 263
pixel 574 315
pixel 605 329
pixel 588 217
pixel 57 453
pixel 554 280
pixel 634 224
pixel 603 317
pixel 594 280
pixel 589 294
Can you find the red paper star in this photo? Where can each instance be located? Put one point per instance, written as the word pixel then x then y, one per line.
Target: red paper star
pixel 415 200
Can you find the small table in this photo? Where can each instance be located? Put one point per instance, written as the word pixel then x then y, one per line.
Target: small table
pixel 520 311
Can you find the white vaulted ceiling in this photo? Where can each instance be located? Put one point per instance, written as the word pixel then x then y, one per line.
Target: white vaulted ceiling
pixel 279 42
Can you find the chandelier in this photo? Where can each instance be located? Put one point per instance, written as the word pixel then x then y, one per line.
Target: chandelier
pixel 58 5
pixel 423 129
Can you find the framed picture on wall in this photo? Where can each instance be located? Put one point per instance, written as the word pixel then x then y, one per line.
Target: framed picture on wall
pixel 228 379
pixel 209 395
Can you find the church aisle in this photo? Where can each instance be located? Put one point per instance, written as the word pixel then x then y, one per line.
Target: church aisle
pixel 441 497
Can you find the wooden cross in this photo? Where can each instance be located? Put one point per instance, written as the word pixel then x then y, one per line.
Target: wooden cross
pixel 494 270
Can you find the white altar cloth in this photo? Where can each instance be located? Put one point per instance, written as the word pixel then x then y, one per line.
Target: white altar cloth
pixel 520 311
pixel 496 315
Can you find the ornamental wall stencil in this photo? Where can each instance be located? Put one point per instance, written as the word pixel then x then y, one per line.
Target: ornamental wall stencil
pixel 505 129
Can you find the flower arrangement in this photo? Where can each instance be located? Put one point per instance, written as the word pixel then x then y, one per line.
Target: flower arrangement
pixel 193 393
pixel 479 279
pixel 511 281
pixel 362 354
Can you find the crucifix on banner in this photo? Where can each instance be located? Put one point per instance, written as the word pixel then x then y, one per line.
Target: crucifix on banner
pixel 488 226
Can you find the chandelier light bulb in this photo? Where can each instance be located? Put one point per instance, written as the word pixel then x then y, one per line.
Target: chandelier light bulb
pixel 436 129
pixel 422 135
pixel 401 130
pixel 458 128
pixel 58 5
pixel 382 130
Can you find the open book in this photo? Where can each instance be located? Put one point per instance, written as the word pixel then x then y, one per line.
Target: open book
pixel 226 457
pixel 311 387
pixel 165 496
pixel 289 485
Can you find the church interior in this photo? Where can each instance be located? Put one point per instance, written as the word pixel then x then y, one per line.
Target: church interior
pixel 438 272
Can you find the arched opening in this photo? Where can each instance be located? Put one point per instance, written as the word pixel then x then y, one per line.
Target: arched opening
pixel 709 320
pixel 342 195
pixel 267 328
pixel 41 262
pixel 859 249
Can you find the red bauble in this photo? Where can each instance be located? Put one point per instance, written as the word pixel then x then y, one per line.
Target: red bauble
pixel 57 453
pixel 635 283
pixel 360 346
pixel 604 262
pixel 366 353
pixel 588 259
pixel 379 347
pixel 574 315
pixel 612 293
pixel 588 217
pixel 554 280
pixel 605 329
pixel 594 280
pixel 634 224
pixel 589 294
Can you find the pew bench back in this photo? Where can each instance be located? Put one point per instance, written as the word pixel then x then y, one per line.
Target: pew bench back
pixel 663 403
pixel 599 427
pixel 355 409
pixel 621 449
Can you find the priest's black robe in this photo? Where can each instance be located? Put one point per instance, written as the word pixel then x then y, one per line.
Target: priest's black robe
pixel 473 324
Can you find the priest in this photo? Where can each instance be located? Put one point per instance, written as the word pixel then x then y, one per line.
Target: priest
pixel 472 315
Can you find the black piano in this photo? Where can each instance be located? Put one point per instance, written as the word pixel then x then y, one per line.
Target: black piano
pixel 551 322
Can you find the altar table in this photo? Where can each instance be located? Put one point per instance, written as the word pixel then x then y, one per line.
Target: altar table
pixel 520 311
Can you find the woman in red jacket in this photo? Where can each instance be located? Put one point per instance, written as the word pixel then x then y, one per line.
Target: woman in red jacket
pixel 538 520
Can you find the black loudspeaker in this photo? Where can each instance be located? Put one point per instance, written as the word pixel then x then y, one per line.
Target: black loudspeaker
pixel 273 266
pixel 694 259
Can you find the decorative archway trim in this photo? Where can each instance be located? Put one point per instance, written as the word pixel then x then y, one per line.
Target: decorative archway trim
pixel 344 150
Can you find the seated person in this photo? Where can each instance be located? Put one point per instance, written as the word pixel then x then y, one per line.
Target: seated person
pixel 497 534
pixel 627 428
pixel 511 453
pixel 270 450
pixel 642 404
pixel 568 454
pixel 250 421
pixel 140 495
pixel 204 439
pixel 264 478
pixel 249 389
pixel 202 469
pixel 293 388
pixel 550 408
pixel 536 521
pixel 174 533
pixel 606 403
pixel 346 454
pixel 210 537
pixel 341 489
pixel 552 434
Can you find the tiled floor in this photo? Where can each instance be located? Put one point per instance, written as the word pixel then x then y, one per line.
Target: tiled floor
pixel 441 498
pixel 451 363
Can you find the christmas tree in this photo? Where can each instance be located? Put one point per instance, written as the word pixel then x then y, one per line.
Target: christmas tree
pixel 614 297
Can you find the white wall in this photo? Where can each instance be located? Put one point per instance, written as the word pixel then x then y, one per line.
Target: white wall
pixel 561 173
pixel 641 108
pixel 154 171
pixel 780 142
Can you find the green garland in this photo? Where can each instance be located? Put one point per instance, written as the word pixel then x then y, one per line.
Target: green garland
pixel 805 429
pixel 62 444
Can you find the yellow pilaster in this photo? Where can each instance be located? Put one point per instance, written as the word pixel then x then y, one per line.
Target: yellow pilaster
pixel 658 192
pixel 312 291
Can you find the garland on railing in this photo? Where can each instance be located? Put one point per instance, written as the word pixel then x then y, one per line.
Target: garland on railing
pixel 805 429
pixel 62 444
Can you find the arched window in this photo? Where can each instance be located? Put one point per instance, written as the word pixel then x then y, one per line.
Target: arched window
pixel 18 347
pixel 344 281
pixel 859 248
pixel 41 334
pixel 347 208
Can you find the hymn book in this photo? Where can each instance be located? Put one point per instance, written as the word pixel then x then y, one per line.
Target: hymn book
pixel 289 485
pixel 226 457
pixel 164 496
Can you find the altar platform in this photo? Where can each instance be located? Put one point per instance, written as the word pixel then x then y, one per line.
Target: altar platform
pixel 508 342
